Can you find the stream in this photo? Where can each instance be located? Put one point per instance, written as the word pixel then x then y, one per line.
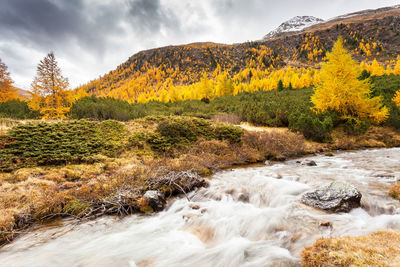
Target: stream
pixel 246 217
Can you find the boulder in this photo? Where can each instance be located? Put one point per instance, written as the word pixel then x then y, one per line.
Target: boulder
pixel 311 163
pixel 307 162
pixel 179 181
pixel 335 197
pixel 154 199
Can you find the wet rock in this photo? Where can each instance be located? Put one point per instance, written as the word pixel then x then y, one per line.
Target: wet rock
pixel 195 207
pixel 325 224
pixel 244 197
pixel 308 162
pixel 279 158
pixel 311 163
pixel 230 191
pixel 153 199
pixel 335 197
pixel 329 154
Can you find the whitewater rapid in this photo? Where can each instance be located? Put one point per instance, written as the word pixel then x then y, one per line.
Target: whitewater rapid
pixel 245 217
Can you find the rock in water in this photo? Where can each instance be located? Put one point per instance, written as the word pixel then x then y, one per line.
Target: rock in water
pixel 311 163
pixel 335 197
pixel 154 199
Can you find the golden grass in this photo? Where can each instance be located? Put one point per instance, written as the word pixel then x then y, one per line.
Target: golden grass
pixel 378 249
pixel 395 191
pixel 6 124
pixel 375 137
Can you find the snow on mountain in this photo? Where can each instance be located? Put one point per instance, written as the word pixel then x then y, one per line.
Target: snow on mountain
pixel 297 23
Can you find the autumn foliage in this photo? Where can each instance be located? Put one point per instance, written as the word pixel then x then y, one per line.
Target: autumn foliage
pixel 49 90
pixel 7 91
pixel 396 98
pixel 342 91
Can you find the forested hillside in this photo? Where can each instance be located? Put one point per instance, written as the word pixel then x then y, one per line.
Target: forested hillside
pixel 157 73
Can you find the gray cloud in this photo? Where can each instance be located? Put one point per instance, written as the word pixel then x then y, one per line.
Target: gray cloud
pixel 149 16
pixel 91 37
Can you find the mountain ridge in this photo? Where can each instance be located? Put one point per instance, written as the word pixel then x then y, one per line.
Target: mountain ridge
pixel 368 35
pixel 294 24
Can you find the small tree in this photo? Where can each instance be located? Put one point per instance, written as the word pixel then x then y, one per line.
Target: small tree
pixel 364 75
pixel 342 91
pixel 49 90
pixel 280 85
pixel 7 90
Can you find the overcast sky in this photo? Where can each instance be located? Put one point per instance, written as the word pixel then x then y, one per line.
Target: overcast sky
pixel 92 37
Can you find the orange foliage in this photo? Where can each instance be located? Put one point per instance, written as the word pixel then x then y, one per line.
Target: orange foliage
pixel 7 91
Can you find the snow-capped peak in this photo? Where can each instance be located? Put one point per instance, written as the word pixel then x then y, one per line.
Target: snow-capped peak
pixel 297 23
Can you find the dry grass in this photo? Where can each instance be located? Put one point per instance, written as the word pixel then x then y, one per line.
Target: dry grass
pixel 375 137
pixel 6 124
pixel 279 143
pixel 395 191
pixel 226 118
pixel 381 248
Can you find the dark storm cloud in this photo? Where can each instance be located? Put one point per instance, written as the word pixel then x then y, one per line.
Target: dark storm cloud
pixel 91 37
pixel 149 16
pixel 46 23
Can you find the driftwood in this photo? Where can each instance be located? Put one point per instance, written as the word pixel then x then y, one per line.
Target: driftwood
pixel 180 182
pixel 122 203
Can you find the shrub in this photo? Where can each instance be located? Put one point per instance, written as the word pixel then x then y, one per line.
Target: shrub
pixel 17 109
pixel 100 108
pixel 386 86
pixel 311 126
pixel 174 133
pixel 43 143
pixel 138 139
pixel 229 133
pixel 355 126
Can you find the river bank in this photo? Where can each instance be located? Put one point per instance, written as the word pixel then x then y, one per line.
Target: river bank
pixel 117 185
pixel 245 217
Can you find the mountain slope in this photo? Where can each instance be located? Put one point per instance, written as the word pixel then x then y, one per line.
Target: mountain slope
pixel 368 34
pixel 297 23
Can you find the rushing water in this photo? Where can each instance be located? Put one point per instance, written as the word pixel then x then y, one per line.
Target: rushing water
pixel 246 217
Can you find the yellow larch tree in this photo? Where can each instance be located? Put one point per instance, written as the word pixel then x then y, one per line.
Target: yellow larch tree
pixel 340 89
pixel 7 90
pixel 49 90
pixel 396 70
pixel 396 98
pixel 377 69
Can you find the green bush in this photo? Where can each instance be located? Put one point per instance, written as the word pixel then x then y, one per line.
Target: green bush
pixel 312 126
pixel 230 133
pixel 174 133
pixel 100 108
pixel 138 139
pixel 44 143
pixel 355 126
pixel 386 86
pixel 17 109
